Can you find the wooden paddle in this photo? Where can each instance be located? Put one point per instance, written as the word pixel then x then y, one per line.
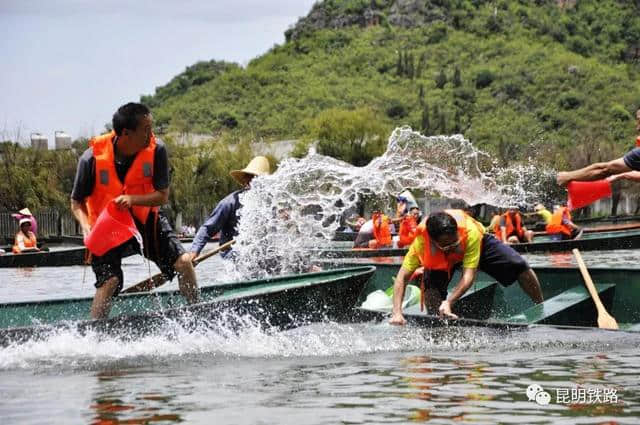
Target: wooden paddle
pixel 159 278
pixel 605 320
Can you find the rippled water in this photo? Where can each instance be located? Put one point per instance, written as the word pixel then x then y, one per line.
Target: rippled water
pixel 321 374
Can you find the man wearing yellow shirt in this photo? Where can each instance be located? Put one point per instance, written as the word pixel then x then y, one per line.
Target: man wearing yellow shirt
pixel 447 240
pixel 544 213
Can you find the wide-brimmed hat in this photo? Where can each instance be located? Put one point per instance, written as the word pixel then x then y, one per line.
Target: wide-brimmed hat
pixel 259 166
pixel 25 221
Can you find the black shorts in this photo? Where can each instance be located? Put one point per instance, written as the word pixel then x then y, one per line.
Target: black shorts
pixel 439 280
pixel 161 245
pixel 500 261
pixel 497 259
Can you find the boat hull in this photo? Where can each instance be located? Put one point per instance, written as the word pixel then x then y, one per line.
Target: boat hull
pixel 567 302
pixel 59 258
pixel 629 239
pixel 281 302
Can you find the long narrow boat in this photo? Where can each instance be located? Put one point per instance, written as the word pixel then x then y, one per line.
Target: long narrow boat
pixel 283 302
pixel 624 239
pixel 55 258
pixel 567 302
pixel 596 227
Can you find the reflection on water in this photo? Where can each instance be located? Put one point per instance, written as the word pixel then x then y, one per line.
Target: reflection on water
pixel 114 404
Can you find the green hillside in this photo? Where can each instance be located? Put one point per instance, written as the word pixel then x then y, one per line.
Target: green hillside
pixel 519 78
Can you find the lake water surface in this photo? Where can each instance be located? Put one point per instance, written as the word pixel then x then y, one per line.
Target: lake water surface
pixel 320 374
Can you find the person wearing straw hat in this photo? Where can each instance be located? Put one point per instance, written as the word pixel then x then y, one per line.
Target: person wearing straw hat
pixel 130 168
pixel 26 213
pixel 224 217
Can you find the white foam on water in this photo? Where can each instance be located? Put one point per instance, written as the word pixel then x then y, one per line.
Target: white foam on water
pixel 68 349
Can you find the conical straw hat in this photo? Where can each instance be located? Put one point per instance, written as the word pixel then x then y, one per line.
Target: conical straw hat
pixel 259 166
pixel 25 211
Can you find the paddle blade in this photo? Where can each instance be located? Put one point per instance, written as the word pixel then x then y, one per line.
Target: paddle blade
pixel 606 321
pixel 582 194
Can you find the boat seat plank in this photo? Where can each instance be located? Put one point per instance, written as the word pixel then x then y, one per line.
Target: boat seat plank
pixel 573 306
pixel 632 327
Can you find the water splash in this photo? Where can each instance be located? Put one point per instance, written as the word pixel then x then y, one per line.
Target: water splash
pixel 302 203
pixel 66 349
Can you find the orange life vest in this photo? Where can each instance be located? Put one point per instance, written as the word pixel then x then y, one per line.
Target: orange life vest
pixel 138 181
pixel 556 225
pixel 28 240
pixel 381 229
pixel 433 258
pixel 408 231
pixel 638 142
pixel 513 226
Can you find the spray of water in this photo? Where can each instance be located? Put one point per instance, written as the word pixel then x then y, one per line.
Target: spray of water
pixel 67 349
pixel 302 203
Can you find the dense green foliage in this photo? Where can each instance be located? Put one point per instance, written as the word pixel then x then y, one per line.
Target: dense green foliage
pixel 519 78
pixel 35 179
pixel 200 176
pixel 555 80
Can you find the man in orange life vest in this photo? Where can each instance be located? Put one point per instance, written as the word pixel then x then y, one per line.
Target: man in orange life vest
pixel 130 167
pixel 626 167
pixel 510 229
pixel 407 217
pixel 450 239
pixel 560 226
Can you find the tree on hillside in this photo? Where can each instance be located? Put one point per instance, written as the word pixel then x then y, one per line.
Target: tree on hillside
pixel 355 136
pixel 441 79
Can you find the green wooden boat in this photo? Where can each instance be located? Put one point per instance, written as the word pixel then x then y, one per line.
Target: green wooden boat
pixel 624 239
pixel 567 302
pixel 283 301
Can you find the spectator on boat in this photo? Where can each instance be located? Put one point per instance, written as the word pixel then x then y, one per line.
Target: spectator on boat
pixel 26 213
pixel 224 217
pixel 407 218
pixel 365 234
pixel 543 212
pixel 376 232
pixel 510 228
pixel 25 240
pixel 130 167
pixel 561 227
pixel 626 167
pixel 409 227
pixel 354 223
pixel 451 239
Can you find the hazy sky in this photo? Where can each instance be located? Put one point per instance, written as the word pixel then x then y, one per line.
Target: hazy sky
pixel 68 64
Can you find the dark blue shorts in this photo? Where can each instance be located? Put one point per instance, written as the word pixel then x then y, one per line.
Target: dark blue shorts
pixel 500 261
pixel 497 259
